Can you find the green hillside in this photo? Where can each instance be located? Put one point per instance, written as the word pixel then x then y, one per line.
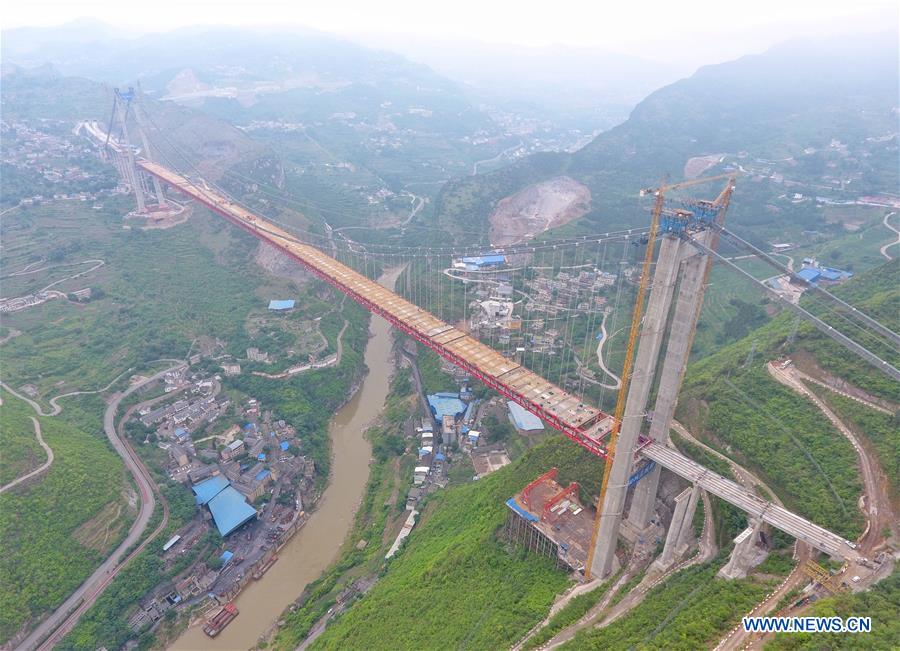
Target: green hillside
pixel 49 551
pixel 780 435
pixel 456 584
pixel 881 603
pixel 21 451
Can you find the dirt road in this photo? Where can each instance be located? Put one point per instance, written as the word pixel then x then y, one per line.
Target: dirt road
pixel 878 509
pixel 737 638
pixel 706 550
pixel 796 372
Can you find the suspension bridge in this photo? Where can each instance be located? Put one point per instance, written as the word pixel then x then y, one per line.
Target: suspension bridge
pixel 586 425
pixel 689 236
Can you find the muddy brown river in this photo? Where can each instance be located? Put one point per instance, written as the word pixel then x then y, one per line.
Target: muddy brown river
pixel 316 545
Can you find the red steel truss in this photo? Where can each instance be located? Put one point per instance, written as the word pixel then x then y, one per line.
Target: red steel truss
pixel 584 424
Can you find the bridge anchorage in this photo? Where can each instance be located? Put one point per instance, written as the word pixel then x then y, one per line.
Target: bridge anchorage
pixel 687 233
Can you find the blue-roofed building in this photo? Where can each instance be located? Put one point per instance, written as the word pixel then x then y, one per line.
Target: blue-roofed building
pixel 834 275
pixel 281 305
pixel 440 457
pixel 809 274
pixel 208 489
pixel 285 446
pixel 230 510
pixel 226 556
pixel 523 419
pixel 261 456
pixel 484 261
pixel 181 433
pixel 446 404
pixel 262 475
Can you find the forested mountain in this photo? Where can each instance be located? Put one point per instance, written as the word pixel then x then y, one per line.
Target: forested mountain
pixel 812 117
pixel 799 95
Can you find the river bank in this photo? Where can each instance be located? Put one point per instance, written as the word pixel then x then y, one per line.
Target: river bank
pixel 316 545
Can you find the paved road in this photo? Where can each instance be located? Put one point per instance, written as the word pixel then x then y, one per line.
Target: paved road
pixel 495 158
pixel 54 401
pixel 415 210
pixel 66 616
pixel 600 362
pixel 297 370
pixel 37 471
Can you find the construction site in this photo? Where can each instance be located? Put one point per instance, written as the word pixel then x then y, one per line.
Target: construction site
pixel 639 506
pixel 548 519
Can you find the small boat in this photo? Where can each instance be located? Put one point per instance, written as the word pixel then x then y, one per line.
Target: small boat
pixel 220 620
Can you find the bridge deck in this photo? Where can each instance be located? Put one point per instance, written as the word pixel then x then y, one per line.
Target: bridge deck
pixel 778 516
pixel 584 424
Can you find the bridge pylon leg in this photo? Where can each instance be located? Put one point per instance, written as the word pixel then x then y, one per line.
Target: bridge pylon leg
pixel 691 290
pixel 652 334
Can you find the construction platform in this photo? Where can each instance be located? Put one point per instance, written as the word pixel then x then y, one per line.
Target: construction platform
pixel 549 519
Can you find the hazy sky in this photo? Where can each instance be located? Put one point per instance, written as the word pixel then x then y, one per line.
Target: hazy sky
pixel 671 29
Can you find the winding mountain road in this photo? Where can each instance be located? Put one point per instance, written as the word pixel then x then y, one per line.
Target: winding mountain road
pixel 887 225
pixel 877 503
pixel 37 471
pixel 600 362
pixel 877 509
pixel 64 618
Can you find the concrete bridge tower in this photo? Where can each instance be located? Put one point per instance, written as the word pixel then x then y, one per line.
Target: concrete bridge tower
pixel 679 262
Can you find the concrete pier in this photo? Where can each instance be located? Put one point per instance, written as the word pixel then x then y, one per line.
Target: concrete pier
pixel 687 525
pixel 679 533
pixel 745 554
